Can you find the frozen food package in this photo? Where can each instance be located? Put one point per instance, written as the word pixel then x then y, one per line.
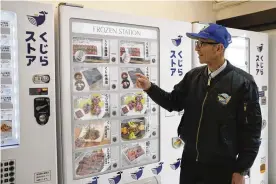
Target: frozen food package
pixel 89 79
pixel 6 98
pixel 6 73
pixel 135 129
pixel 128 76
pixel 5 32
pixel 132 51
pixel 94 106
pixel 92 162
pixel 140 153
pixel 134 104
pixel 90 50
pixel 95 133
pixel 6 89
pixel 6 129
pixel 136 52
pixel 6 58
pixel 5 63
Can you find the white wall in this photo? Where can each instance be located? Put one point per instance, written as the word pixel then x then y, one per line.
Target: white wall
pixel 272 108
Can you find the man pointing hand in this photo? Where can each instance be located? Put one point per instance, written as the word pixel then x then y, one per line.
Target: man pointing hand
pixel 221 124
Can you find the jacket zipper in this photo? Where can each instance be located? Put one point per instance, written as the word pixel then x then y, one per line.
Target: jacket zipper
pixel 198 129
pixel 245 108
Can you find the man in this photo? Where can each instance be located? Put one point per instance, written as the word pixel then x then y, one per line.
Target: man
pixel 221 125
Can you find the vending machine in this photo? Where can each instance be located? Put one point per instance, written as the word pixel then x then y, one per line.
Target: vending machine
pixel 249 51
pixel 28 120
pixel 110 131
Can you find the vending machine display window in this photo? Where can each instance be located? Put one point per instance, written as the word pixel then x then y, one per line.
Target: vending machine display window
pixel 9 81
pixel 92 134
pixel 238 53
pixel 135 52
pixel 115 124
pixel 90 50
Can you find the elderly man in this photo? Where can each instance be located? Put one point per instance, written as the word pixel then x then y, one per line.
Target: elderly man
pixel 221 125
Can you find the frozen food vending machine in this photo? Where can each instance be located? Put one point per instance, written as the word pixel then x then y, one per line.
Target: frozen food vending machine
pixel 28 120
pixel 111 131
pixel 249 51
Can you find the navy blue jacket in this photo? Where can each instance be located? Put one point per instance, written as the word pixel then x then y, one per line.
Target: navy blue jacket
pixel 222 120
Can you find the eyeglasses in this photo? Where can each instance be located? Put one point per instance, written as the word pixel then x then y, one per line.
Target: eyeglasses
pixel 200 43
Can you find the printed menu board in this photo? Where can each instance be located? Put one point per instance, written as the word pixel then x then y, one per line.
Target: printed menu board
pixel 115 124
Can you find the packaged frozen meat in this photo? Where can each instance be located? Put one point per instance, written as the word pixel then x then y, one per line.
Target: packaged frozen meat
pixel 89 79
pixel 95 133
pixel 128 76
pixel 135 52
pixel 132 49
pixel 90 50
pixel 93 162
pixel 134 104
pixel 134 129
pixel 140 153
pixel 134 153
pixel 95 106
pixel 6 129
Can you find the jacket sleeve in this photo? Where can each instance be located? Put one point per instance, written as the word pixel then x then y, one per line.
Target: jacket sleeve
pixel 250 128
pixel 171 101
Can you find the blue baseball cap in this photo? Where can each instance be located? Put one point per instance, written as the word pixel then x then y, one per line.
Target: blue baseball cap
pixel 214 32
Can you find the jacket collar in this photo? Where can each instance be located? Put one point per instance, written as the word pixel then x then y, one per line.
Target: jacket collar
pixel 227 68
pixel 220 69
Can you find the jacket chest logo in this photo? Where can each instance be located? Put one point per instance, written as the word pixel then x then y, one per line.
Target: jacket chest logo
pixel 224 98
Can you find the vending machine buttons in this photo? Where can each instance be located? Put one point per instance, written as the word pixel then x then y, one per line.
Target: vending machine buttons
pixel 8 171
pixel 11 179
pixel 11 173
pixel 41 79
pixel 115 165
pixel 42 110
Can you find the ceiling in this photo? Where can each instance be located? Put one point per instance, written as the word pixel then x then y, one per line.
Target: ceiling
pixel 221 4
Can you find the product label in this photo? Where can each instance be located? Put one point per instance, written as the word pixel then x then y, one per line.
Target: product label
pixel 42 176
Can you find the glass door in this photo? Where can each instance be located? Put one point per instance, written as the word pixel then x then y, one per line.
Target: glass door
pixel 238 53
